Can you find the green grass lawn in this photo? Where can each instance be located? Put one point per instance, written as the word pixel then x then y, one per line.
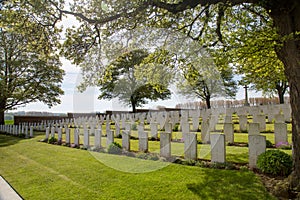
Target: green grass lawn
pixel 43 171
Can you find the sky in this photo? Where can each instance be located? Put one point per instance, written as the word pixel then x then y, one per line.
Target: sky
pixel 74 101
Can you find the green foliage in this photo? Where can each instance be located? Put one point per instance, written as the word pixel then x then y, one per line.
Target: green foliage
pixel 30 66
pixel 134 127
pixel 189 162
pixel 269 144
pixel 226 165
pixel 203 79
pixel 244 168
pixel 251 47
pixel 275 162
pixel 119 80
pixel 176 128
pixel 52 140
pixel 114 148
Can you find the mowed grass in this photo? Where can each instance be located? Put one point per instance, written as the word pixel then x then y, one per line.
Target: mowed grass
pixel 43 171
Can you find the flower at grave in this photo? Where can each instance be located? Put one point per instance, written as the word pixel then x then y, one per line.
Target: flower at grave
pixel 182 140
pixel 283 145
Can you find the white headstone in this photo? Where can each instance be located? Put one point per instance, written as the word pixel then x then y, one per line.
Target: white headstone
pixel 190 146
pixel 168 127
pixel 228 119
pixel 261 120
pixel 26 131
pixel 213 121
pixel 257 146
pixel 218 148
pixel 280 131
pixel 205 133
pixel 68 138
pixel 243 122
pixel 154 131
pixel 59 133
pixel 77 137
pixel 143 141
pixel 229 132
pixel 86 140
pixel 110 138
pixel 254 129
pixel 279 118
pixel 47 133
pixel 165 145
pixel 52 131
pixel 98 138
pixel 126 140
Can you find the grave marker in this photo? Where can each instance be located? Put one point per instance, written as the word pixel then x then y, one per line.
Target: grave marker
pixel 257 146
pixel 229 132
pixel 190 146
pixel 165 145
pixel 280 131
pixel 98 138
pixel 218 148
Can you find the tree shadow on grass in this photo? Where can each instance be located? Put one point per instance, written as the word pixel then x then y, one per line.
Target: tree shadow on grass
pixel 238 157
pixel 229 184
pixel 7 140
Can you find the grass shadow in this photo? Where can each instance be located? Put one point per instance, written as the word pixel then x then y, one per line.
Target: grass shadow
pixel 7 140
pixel 242 185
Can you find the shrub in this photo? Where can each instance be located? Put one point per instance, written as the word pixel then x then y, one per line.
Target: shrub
pixel 201 164
pixel 134 127
pixel 189 162
pixel 142 156
pixel 153 157
pixel 176 128
pixel 269 144
pixel 275 162
pixel 114 148
pixel 22 135
pixel 244 168
pixel 52 140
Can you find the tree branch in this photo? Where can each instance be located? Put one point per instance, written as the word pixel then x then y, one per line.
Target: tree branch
pixel 188 4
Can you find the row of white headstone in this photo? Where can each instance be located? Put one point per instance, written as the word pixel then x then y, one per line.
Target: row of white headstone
pixel 167 121
pixel 17 130
pixel 257 142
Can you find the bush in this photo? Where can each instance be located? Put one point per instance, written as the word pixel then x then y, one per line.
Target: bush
pixel 176 128
pixel 275 162
pixel 189 162
pixel 52 140
pixel 134 127
pixel 142 156
pixel 269 144
pixel 114 148
pixel 153 157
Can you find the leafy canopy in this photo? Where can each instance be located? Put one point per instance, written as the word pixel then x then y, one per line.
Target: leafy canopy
pixel 30 66
pixel 120 80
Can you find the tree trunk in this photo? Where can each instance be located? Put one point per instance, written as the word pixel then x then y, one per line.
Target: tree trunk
pixel 133 104
pixel 1 116
pixel 207 99
pixel 287 19
pixel 2 110
pixel 280 94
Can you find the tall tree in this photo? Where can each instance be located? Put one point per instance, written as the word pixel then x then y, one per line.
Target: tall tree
pixel 30 67
pixel 120 80
pixel 205 81
pixel 251 49
pixel 203 20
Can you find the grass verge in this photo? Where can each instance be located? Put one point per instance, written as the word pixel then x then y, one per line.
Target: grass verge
pixel 42 171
